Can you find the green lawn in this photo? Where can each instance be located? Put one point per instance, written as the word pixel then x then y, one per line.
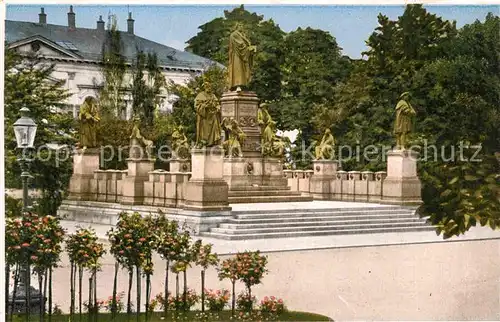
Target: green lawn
pixel 189 316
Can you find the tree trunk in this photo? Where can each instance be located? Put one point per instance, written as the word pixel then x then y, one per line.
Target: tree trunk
pixel 233 300
pixel 95 295
pixel 129 303
pixel 90 302
pixel 148 290
pixel 138 272
pixel 40 285
pixel 80 285
pixel 72 291
pixel 44 297
pixel 7 285
pixel 50 294
pixel 115 280
pixel 165 304
pixel 184 294
pixel 28 293
pixel 202 290
pixel 14 292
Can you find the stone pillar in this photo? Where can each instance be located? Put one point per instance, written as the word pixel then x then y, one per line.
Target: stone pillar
pixel 133 183
pixel 402 185
pixel 180 165
pixel 243 107
pixel 85 162
pixel 324 172
pixel 207 190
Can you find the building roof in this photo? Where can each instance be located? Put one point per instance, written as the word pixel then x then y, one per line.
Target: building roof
pixel 87 44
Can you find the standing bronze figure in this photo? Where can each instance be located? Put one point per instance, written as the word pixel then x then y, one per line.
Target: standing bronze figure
pixel 241 53
pixel 403 125
pixel 89 117
pixel 208 123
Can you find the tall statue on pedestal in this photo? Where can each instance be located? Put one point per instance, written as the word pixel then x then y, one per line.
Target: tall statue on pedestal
pixel 403 125
pixel 325 149
pixel 208 123
pixel 138 141
pixel 241 53
pixel 89 117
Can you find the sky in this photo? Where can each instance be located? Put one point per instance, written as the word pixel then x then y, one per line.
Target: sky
pixel 173 25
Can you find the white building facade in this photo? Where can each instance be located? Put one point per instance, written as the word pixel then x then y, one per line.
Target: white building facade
pixel 77 55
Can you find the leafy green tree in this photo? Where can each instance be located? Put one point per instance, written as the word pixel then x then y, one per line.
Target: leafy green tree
pixel 148 81
pixel 113 70
pixel 28 83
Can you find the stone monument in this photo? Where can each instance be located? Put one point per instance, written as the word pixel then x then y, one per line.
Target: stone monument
pixel 402 185
pixel 139 163
pixel 324 167
pixel 86 157
pixel 206 191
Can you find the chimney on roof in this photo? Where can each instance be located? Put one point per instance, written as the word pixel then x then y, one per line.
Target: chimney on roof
pixel 130 24
pixel 71 18
pixel 100 24
pixel 42 17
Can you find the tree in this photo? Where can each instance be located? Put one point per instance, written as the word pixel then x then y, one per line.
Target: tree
pixel 28 82
pixel 113 70
pixel 148 81
pixel 453 79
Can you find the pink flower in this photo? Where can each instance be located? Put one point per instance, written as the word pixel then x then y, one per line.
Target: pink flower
pixel 25 245
pixel 34 258
pixel 27 224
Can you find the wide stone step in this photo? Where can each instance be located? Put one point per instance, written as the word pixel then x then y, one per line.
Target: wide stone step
pixel 262 199
pixel 324 213
pixel 322 223
pixel 259 188
pixel 242 193
pixel 320 218
pixel 338 226
pixel 318 233
pixel 305 209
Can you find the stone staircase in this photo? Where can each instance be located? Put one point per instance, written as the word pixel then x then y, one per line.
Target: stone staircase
pixel 256 224
pixel 264 194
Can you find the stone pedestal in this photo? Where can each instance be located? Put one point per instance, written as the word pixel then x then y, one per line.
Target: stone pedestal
pixel 180 165
pixel 133 184
pixel 402 185
pixel 236 172
pixel 207 191
pixel 324 172
pixel 85 162
pixel 273 173
pixel 243 107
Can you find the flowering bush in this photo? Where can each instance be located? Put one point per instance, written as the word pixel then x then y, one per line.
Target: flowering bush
pixel 272 307
pixel 90 307
pixel 33 240
pixel 118 305
pixel 177 303
pixel 217 300
pixel 245 302
pixel 131 240
pixel 251 267
pixel 84 250
pixel 157 302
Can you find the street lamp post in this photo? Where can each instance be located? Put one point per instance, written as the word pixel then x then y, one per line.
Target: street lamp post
pixel 27 299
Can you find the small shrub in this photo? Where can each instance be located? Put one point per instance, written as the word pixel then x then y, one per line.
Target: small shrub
pixel 245 302
pixel 178 303
pixel 271 307
pixel 217 300
pixel 57 310
pixel 108 304
pixel 90 307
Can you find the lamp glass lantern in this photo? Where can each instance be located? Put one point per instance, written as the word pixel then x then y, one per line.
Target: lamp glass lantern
pixel 25 130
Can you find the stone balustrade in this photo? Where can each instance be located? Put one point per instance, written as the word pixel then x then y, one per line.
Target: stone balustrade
pixel 106 186
pixel 349 186
pixel 166 189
